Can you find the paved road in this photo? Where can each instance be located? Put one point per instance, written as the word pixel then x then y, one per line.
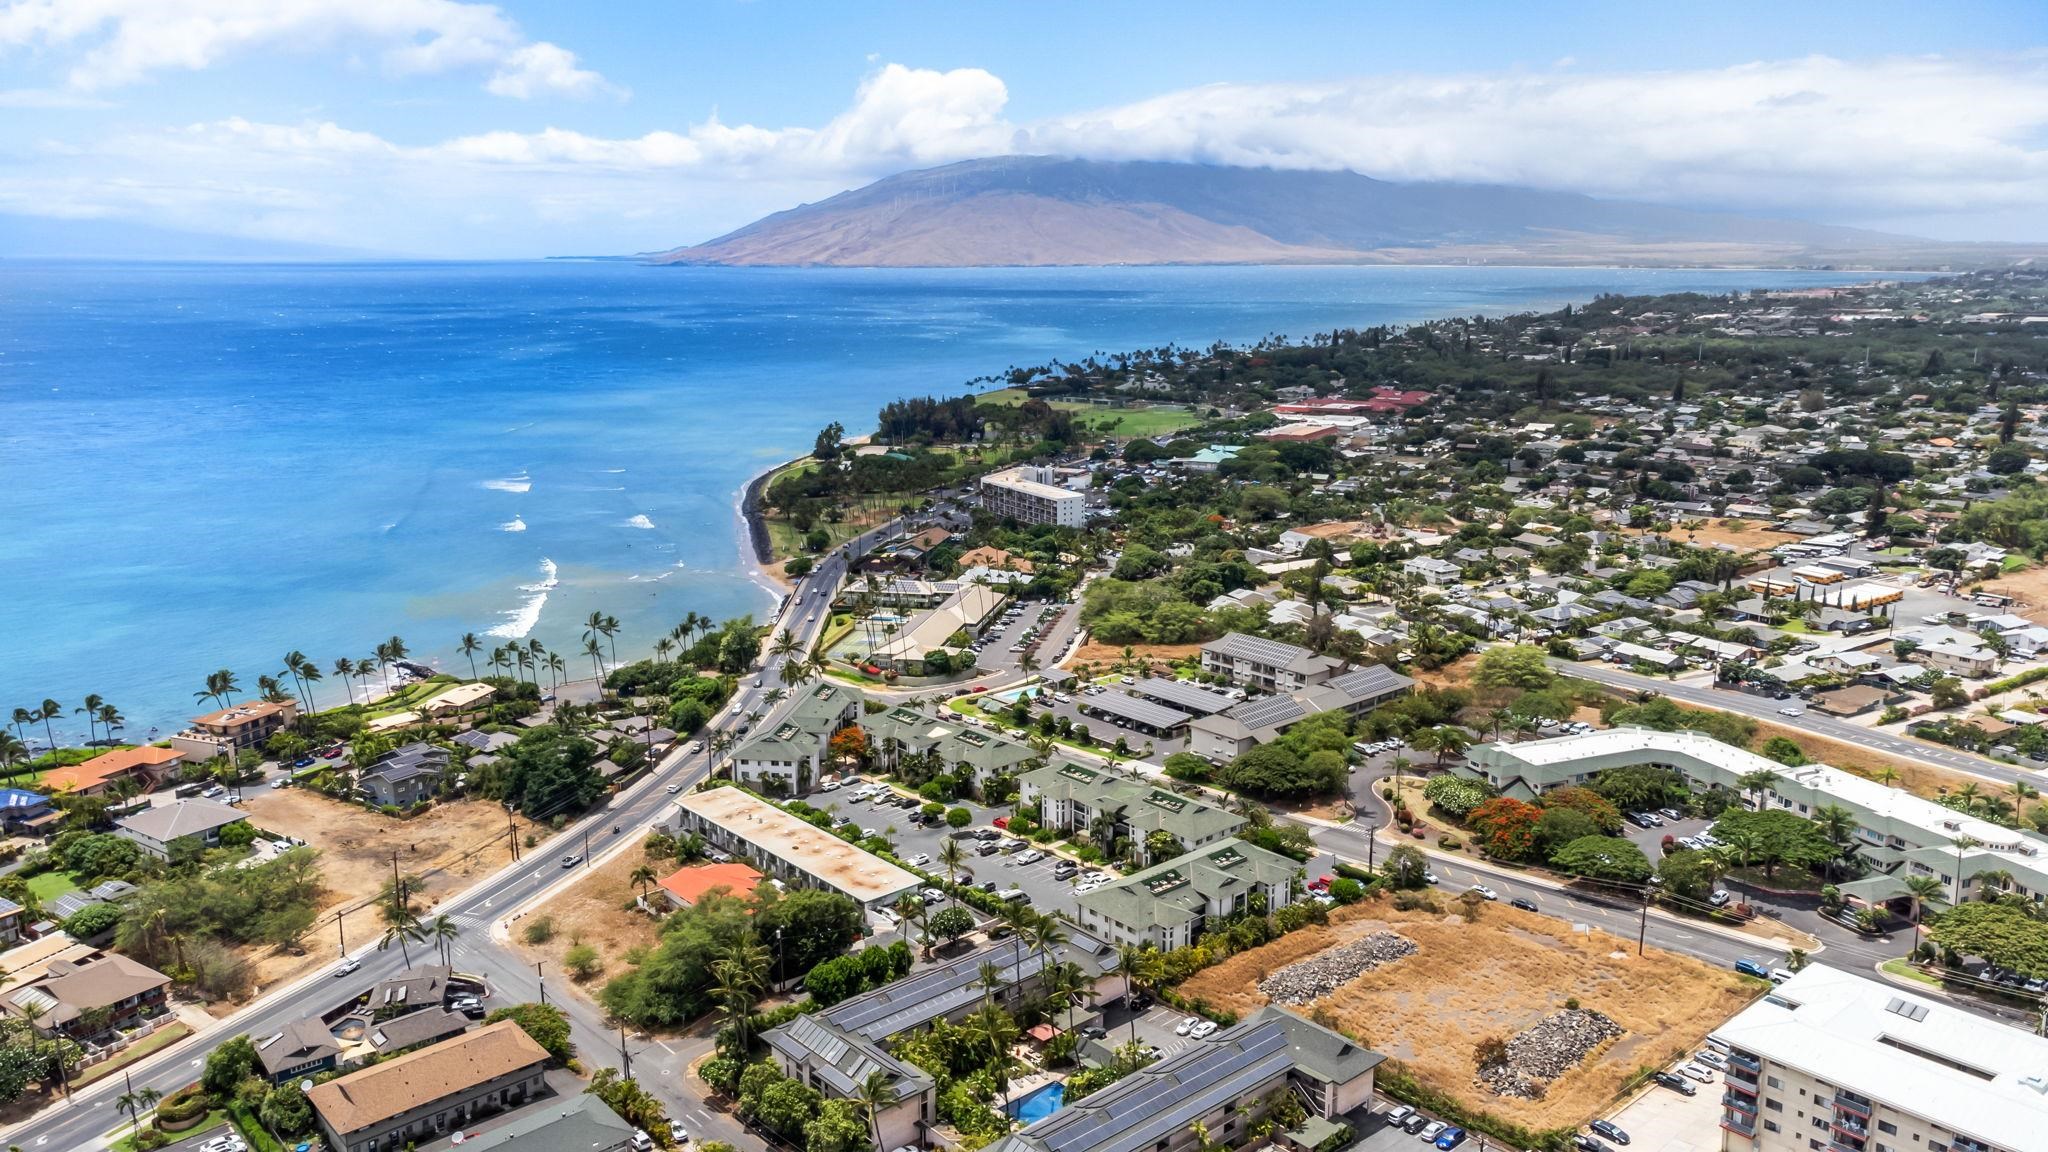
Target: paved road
pixel 1764 708
pixel 91 1114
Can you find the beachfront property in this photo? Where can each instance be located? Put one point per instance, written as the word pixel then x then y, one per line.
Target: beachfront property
pixel 1851 1063
pixel 1898 833
pixel 25 813
pixel 179 830
pixel 422 1095
pixel 1244 726
pixel 405 776
pixel 232 729
pixel 904 731
pixel 84 996
pixel 1224 1083
pixel 457 699
pixel 1033 495
pixel 1168 905
pixel 783 847
pixel 787 758
pixel 968 608
pixel 148 766
pixel 1095 805
pixel 834 1050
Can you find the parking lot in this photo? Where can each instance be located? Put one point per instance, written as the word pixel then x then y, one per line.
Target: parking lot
pixel 1055 624
pixel 1661 1120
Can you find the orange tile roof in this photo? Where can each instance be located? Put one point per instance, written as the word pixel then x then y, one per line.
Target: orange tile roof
pixel 991 557
pixel 107 765
pixel 690 884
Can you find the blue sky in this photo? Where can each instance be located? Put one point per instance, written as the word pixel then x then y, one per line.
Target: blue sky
pixel 449 128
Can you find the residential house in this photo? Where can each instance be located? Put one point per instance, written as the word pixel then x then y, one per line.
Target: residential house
pixel 685 887
pixel 405 776
pixel 418 1097
pixel 181 829
pixel 1433 571
pixel 234 728
pixel 147 766
pixel 88 997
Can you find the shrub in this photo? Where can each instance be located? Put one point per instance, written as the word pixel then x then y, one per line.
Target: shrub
pixel 582 962
pixel 540 931
pixel 958 817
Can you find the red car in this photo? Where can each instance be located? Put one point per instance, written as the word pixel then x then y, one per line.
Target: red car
pixel 1001 821
pixel 1319 884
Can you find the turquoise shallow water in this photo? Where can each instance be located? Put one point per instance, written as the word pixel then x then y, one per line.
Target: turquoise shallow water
pixel 208 465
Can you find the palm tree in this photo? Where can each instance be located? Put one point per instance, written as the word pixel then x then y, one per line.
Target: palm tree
pixel 1922 889
pixel 951 857
pixel 346 669
pixel 557 668
pixel 293 661
pixel 910 910
pixel 49 710
pixel 538 651
pixel 110 719
pixel 443 930
pixel 611 635
pixel 1970 794
pixel 662 648
pixel 136 1103
pixel 874 1094
pixel 91 708
pixel 405 925
pixel 396 648
pixel 1835 823
pixel 1758 783
pixel 592 649
pixel 469 646
pixel 1449 740
pixel 2023 792
pixel 13 751
pixel 1886 776
pixel 642 876
pixel 309 675
pixel 785 643
pixel 737 979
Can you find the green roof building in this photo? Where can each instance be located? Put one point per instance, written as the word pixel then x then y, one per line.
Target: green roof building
pixel 1072 797
pixel 786 759
pixel 902 732
pixel 1168 905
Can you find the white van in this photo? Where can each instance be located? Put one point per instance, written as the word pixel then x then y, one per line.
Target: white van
pixel 1780 975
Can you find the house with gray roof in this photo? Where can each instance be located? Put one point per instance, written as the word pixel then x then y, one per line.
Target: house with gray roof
pixel 1269 665
pixel 1244 726
pixel 405 776
pixel 1170 904
pixel 179 830
pixel 579 1123
pixel 1072 798
pixel 787 758
pixel 1225 1083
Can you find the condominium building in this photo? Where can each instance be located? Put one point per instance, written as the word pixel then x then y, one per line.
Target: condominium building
pixel 787 758
pixel 781 846
pixel 1268 665
pixel 1030 495
pixel 946 740
pixel 1834 1062
pixel 232 729
pixel 1242 727
pixel 1899 833
pixel 1169 905
pixel 1072 798
pixel 419 1097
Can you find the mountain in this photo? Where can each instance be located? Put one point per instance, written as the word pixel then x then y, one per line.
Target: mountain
pixel 1042 210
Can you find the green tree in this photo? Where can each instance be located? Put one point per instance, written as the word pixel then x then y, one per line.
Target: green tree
pixel 1997 932
pixel 546 1024
pixel 1784 751
pixel 227 1066
pixel 1524 667
pixel 1603 858
pixel 1774 838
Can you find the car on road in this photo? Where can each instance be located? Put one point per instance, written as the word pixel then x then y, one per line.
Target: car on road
pixel 1483 890
pixel 303 762
pixel 673 789
pixel 1449 1138
pixel 1609 1129
pixel 1524 903
pixel 677 1133
pixel 1792 710
pixel 571 859
pixel 1432 1130
pixel 919 860
pixel 1749 967
pixel 1186 1026
pixel 1678 1084
pixel 347 966
pixel 469 1006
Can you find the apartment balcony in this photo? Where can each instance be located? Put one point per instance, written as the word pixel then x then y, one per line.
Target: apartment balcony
pixel 1743 1126
pixel 1740 1103
pixel 1735 1080
pixel 1747 1063
pixel 1854 1128
pixel 1840 1145
pixel 1852 1103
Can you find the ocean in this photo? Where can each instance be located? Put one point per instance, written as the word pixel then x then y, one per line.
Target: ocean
pixel 210 465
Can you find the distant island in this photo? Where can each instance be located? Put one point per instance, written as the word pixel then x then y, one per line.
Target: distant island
pixel 1050 211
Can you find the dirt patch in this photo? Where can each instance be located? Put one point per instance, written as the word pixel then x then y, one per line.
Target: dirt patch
pixel 1342 530
pixel 450 845
pixel 1456 674
pixel 2028 589
pixel 1492 979
pixel 1741 535
pixel 1106 656
pixel 594 911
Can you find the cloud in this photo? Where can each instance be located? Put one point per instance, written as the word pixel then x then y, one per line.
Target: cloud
pixel 124 42
pixel 1943 147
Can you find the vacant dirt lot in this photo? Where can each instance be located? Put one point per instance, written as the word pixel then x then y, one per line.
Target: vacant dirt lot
pixel 449 846
pixel 1494 978
pixel 1919 779
pixel 1105 656
pixel 593 911
pixel 1741 535
pixel 2028 588
pixel 1456 674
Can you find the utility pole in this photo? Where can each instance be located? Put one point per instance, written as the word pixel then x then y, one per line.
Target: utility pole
pixel 340 936
pixel 625 1057
pixel 512 833
pixel 1643 928
pixel 586 847
pixel 543 983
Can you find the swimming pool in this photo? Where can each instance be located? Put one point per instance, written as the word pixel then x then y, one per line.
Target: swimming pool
pixel 1040 1104
pixel 1013 695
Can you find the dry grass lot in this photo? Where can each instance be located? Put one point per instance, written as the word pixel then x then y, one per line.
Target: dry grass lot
pixel 1105 656
pixel 2028 588
pixel 1456 674
pixel 1740 535
pixel 1920 779
pixel 1494 978
pixel 593 911
pixel 449 846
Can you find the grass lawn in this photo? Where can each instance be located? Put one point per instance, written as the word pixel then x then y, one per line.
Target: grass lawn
pixel 50 885
pixel 1902 968
pixel 410 696
pixel 1115 421
pixel 1796 627
pixel 2013 563
pixel 162 1038
pixel 837 629
pixel 785 541
pixel 214 1119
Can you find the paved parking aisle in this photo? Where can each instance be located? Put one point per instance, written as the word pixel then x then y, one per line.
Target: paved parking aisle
pixel 1660 1120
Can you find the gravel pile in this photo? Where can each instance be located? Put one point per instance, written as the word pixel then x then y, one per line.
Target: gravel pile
pixel 1325 972
pixel 1550 1049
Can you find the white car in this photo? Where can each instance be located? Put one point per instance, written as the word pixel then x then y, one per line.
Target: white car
pixel 673 789
pixel 1710 1058
pixel 1429 1133
pixel 677 1133
pixel 1203 1029
pixel 347 966
pixel 228 1143
pixel 1186 1026
pixel 919 860
pixel 1793 710
pixel 829 786
pixel 1031 857
pixel 1483 890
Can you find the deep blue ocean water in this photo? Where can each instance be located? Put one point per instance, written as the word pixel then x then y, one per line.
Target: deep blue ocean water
pixel 205 466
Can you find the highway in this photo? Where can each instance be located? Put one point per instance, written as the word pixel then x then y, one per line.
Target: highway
pixel 1765 708
pixel 90 1117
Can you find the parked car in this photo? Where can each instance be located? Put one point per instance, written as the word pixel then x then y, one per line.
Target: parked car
pixel 1432 1130
pixel 1609 1129
pixel 1449 1138
pixel 1416 1123
pixel 1710 1058
pixel 1186 1026
pixel 1585 1143
pixel 1031 857
pixel 677 1133
pixel 919 860
pixel 1780 975
pixel 1720 898
pixel 1677 1084
pixel 1398 1115
pixel 1695 1072
pixel 1205 1028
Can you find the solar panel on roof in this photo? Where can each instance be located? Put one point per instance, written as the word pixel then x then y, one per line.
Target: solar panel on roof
pixel 1909 1010
pixel 1268 712
pixel 817 1038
